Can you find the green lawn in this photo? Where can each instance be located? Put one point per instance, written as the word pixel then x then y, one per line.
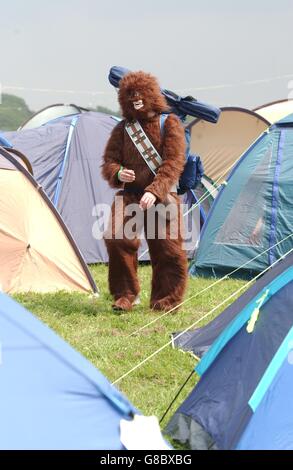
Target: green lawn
pixel 102 335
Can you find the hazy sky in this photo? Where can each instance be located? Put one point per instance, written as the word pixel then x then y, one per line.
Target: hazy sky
pixel 207 48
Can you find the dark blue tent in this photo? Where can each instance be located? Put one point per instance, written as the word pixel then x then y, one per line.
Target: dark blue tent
pixel 51 397
pixel 243 372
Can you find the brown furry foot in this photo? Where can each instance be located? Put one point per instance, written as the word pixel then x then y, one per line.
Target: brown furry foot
pixel 162 305
pixel 122 304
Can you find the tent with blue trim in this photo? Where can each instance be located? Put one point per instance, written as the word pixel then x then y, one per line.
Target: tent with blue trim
pixel 253 211
pixel 51 397
pixel 243 399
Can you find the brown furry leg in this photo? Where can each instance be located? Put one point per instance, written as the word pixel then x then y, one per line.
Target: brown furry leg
pixel 169 274
pixel 123 280
pixel 169 263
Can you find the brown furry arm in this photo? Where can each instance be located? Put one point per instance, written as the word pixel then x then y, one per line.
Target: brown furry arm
pixel 173 159
pixel 113 156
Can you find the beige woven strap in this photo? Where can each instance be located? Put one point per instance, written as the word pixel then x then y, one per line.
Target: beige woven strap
pixel 144 146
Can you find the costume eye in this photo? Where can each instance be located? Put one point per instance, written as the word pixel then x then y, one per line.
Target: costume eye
pixel 134 94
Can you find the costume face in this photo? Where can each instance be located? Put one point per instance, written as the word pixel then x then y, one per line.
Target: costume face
pixel 140 96
pixel 138 103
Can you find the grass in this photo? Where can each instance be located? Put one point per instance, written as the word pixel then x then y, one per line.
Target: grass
pixel 90 326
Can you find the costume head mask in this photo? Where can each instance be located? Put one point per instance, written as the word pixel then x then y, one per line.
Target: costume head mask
pixel 140 96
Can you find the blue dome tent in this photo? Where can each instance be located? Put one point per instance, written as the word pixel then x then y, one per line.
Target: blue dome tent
pixel 51 396
pixel 243 399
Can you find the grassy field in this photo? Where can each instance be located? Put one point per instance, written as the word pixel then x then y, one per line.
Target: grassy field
pixel 102 335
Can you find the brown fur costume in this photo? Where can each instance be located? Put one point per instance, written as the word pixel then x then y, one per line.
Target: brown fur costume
pixel 168 259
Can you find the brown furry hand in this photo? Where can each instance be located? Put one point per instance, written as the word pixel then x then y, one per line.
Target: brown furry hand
pixel 147 201
pixel 126 176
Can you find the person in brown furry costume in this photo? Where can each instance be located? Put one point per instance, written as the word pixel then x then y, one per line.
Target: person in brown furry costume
pixel 140 99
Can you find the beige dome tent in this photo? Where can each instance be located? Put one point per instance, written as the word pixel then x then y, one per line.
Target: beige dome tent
pixel 220 145
pixel 276 110
pixel 37 253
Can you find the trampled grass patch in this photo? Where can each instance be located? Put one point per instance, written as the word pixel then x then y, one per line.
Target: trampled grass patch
pixel 103 336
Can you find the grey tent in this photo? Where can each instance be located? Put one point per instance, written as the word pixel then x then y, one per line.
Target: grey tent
pixel 66 156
